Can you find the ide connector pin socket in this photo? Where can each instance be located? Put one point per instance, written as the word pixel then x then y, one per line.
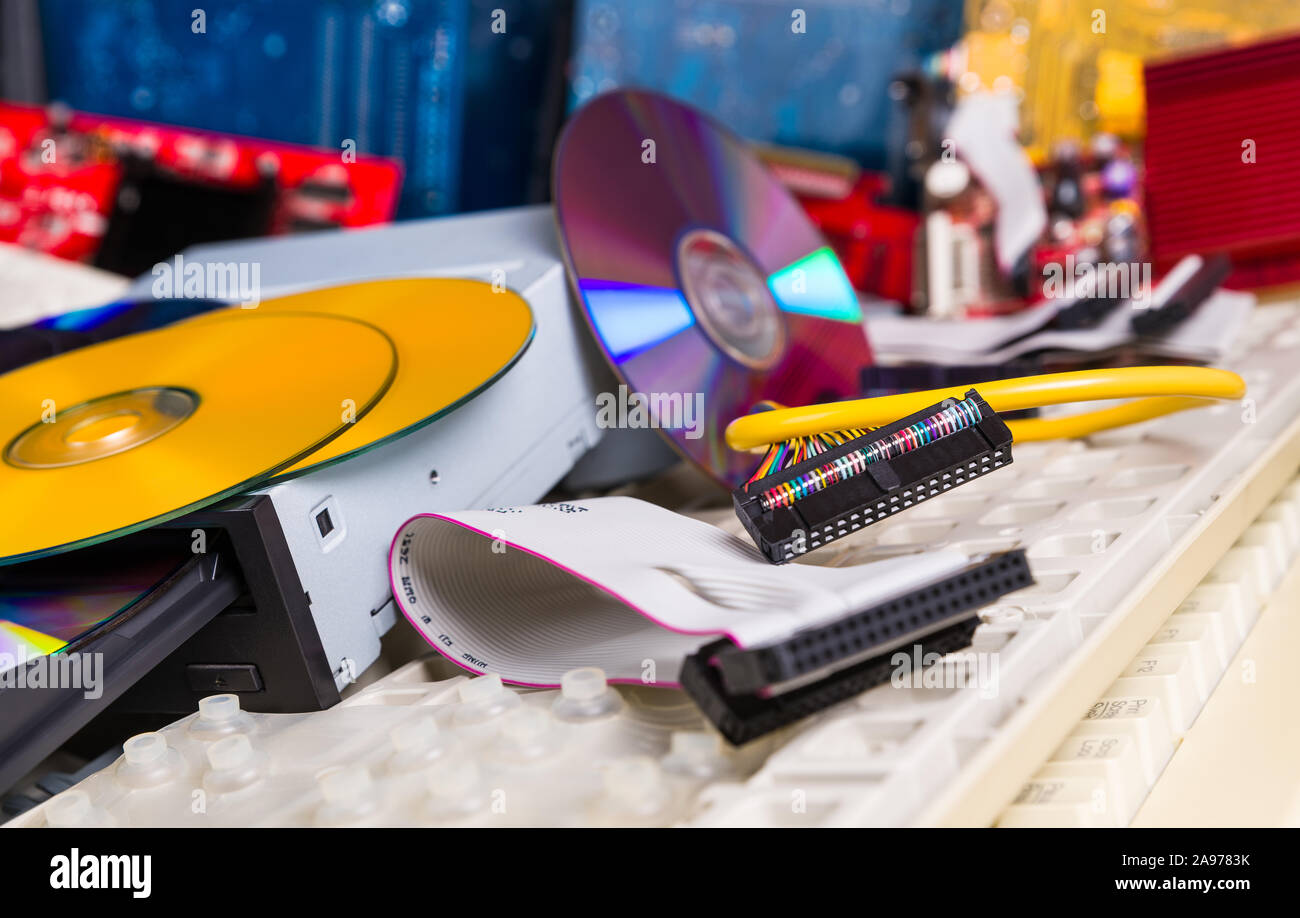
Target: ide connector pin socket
pixel 747 692
pixel 871 477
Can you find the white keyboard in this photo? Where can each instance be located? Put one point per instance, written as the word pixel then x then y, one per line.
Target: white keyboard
pixel 1154 549
pixel 1121 747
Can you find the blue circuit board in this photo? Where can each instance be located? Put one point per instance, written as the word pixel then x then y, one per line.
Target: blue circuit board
pixel 387 74
pixel 812 73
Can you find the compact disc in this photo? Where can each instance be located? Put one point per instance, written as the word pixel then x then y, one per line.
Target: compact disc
pixel 51 604
pixel 125 317
pixel 117 436
pixel 81 327
pixel 705 283
pixel 453 339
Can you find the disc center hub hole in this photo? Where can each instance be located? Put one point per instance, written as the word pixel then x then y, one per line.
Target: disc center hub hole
pixel 108 427
pixel 729 296
pixel 101 427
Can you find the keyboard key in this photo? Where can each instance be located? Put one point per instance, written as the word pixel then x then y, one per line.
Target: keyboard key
pixel 1196 640
pixel 1144 719
pixel 1286 512
pixel 1272 538
pixel 1172 678
pixel 1113 757
pixel 1067 802
pixel 1219 629
pixel 1247 565
pixel 1227 599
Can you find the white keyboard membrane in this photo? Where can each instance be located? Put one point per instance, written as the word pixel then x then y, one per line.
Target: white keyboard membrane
pixel 1099 519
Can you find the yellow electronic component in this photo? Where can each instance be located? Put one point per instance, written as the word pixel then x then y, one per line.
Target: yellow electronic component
pixel 1119 94
pixel 1156 391
pixel 1079 63
pixel 453 338
pixel 114 437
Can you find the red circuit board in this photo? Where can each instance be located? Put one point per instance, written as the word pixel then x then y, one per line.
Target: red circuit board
pixel 59 177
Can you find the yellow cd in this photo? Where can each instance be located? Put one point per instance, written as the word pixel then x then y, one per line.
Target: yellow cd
pixel 114 437
pixel 453 338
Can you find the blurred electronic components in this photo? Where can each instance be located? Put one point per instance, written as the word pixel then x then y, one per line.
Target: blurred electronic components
pixel 983 212
pixel 1119 174
pixel 468 94
pixel 812 75
pixel 983 131
pixel 1222 155
pixel 127 194
pixel 891 379
pixel 810 174
pixel 1181 293
pixel 156 213
pixel 1066 199
pixel 1078 65
pixel 1201 328
pixel 515 92
pixel 883 379
pixel 916 135
pixel 385 76
pixel 949 261
pixel 22 63
pixel 996 230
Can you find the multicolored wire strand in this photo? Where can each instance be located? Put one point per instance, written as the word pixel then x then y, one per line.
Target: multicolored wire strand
pixel 958 416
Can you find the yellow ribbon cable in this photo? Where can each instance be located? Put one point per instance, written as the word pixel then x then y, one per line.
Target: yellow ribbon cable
pixel 1155 391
